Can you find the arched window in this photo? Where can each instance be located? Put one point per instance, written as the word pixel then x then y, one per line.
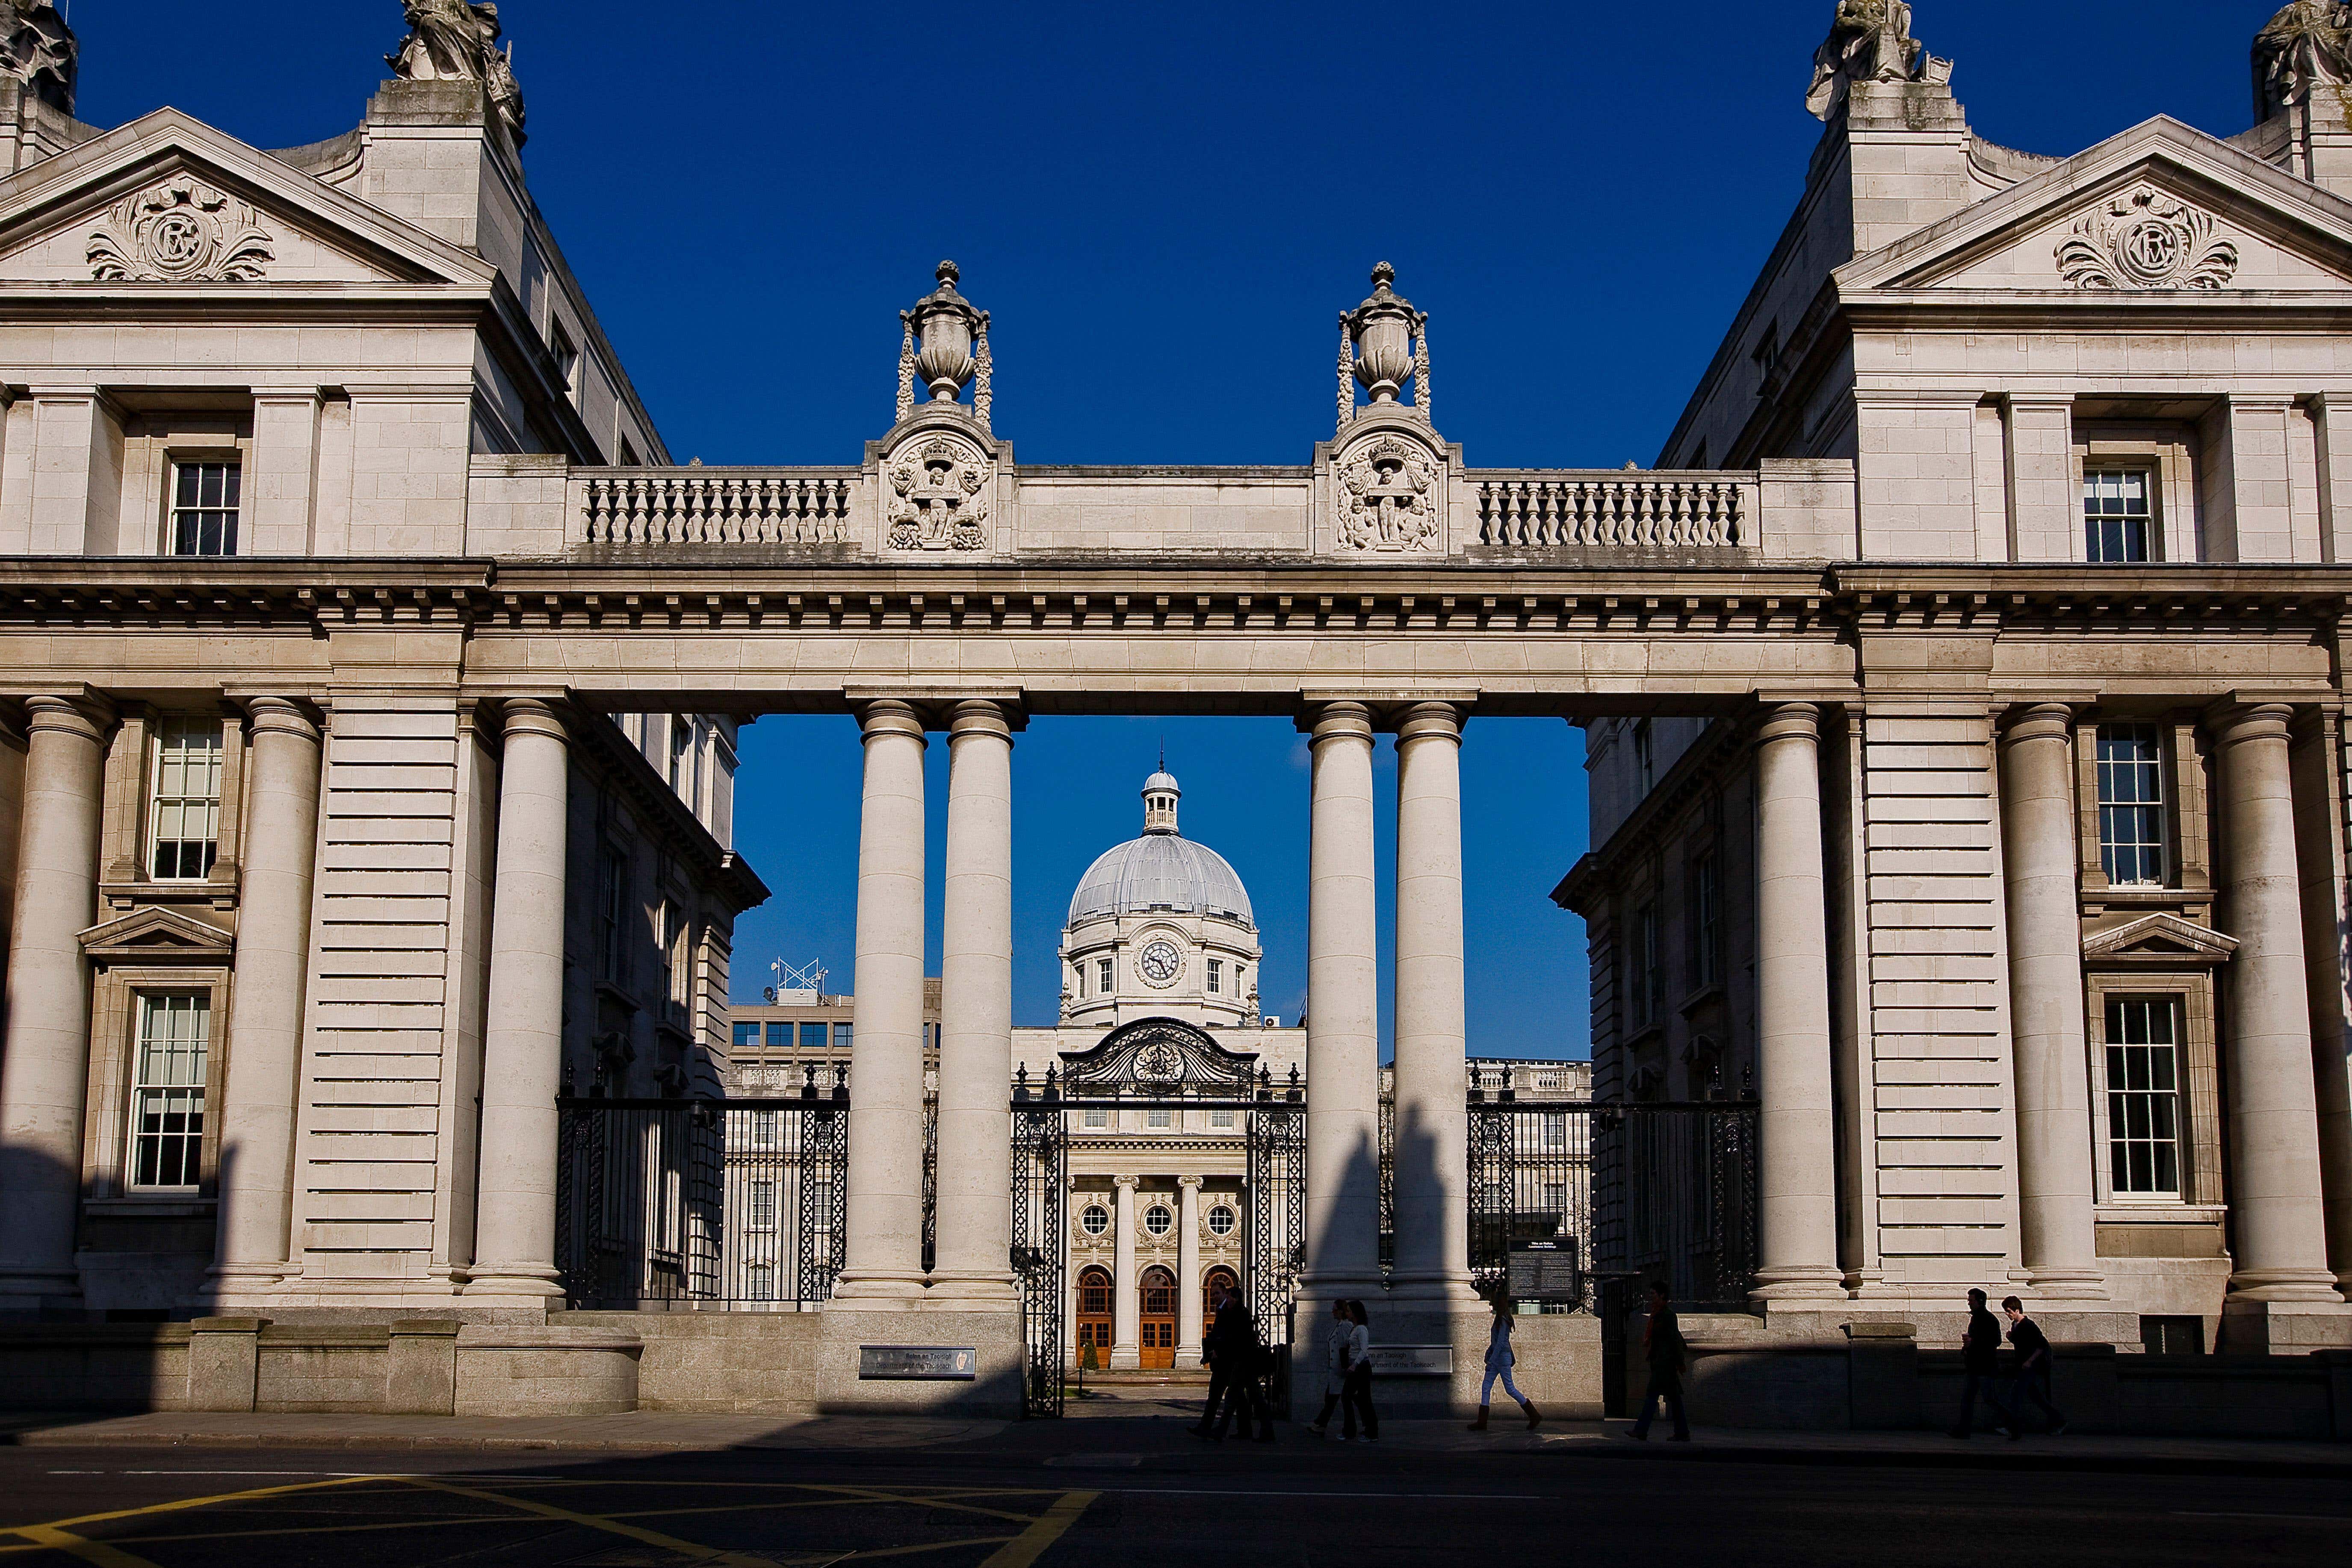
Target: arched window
pixel 1158 1293
pixel 1218 1278
pixel 1097 1326
pixel 1094 1293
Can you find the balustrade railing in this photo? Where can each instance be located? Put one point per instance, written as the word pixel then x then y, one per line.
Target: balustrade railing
pixel 719 506
pixel 1630 510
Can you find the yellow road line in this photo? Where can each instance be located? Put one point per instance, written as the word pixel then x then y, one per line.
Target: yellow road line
pixel 1031 1543
pixel 183 1503
pixel 929 1546
pixel 649 1537
pixel 49 1537
pixel 867 1494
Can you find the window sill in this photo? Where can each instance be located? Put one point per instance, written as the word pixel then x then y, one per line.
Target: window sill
pixel 220 895
pixel 2157 1211
pixel 152 1206
pixel 1711 992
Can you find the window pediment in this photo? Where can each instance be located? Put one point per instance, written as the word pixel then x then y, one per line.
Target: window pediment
pixel 2159 940
pixel 152 935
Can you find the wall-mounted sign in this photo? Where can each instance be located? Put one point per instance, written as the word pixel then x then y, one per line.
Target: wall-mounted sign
pixel 1545 1272
pixel 917 1364
pixel 1412 1361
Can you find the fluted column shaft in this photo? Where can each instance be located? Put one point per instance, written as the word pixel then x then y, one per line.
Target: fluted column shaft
pixel 884 1260
pixel 1797 1169
pixel 2060 1242
pixel 1127 1310
pixel 45 1062
pixel 273 966
pixel 1433 1135
pixel 522 1037
pixel 2275 1191
pixel 1343 1114
pixel 1188 1270
pixel 972 1262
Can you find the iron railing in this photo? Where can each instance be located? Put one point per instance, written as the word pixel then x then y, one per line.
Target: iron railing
pixel 703 1204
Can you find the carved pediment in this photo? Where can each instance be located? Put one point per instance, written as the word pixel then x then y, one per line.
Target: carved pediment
pixel 2162 208
pixel 158 936
pixel 1158 1059
pixel 167 199
pixel 2159 941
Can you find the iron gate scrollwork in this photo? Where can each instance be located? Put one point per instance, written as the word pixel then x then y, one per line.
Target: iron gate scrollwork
pixel 1041 1243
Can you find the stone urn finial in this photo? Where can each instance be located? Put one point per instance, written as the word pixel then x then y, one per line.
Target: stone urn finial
pixel 1383 343
pixel 945 347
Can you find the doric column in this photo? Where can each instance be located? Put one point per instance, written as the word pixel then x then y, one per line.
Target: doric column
pixel 972 1265
pixel 1187 1271
pixel 45 1064
pixel 1126 1316
pixel 273 965
pixel 1343 1073
pixel 1798 1164
pixel 1433 1225
pixel 2045 1002
pixel 522 1043
pixel 2276 1192
pixel 883 1261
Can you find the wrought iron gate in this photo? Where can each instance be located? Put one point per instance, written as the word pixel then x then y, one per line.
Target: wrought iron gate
pixel 694 1204
pixel 1155 1065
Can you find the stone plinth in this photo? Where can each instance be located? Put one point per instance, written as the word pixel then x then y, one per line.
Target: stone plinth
pixel 995 1393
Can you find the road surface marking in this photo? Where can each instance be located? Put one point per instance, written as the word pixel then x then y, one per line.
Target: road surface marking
pixel 1026 1547
pixel 98 1552
pixel 634 1533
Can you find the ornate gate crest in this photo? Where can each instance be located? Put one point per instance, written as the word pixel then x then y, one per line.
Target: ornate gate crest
pixel 1159 1058
pixel 1388 498
pixel 2146 239
pixel 939 495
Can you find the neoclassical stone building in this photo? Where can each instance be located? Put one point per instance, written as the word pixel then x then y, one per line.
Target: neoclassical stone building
pixel 2085 925
pixel 2000 554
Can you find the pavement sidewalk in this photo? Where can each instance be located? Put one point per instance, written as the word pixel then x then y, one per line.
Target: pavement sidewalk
pixel 1146 1441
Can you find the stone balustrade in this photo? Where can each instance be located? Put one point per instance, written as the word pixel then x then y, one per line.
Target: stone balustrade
pixel 1630 510
pixel 718 505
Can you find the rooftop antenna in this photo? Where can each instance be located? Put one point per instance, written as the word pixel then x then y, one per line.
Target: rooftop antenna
pixel 808 978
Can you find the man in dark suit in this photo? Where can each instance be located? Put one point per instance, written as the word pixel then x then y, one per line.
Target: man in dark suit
pixel 1980 1361
pixel 1666 1348
pixel 1235 1360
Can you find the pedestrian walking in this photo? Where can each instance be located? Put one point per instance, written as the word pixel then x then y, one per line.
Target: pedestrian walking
pixel 1500 1359
pixel 1664 1344
pixel 1980 1362
pixel 2035 1366
pixel 1357 1392
pixel 1236 1361
pixel 1337 1337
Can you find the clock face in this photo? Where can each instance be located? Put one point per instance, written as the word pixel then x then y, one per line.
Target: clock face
pixel 1159 962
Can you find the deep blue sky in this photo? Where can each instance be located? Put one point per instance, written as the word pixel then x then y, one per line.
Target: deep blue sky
pixel 1165 207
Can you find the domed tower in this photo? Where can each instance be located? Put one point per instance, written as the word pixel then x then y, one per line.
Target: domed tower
pixel 1160 927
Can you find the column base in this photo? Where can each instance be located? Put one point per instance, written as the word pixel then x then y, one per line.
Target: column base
pixel 2066 1284
pixel 41 1293
pixel 2284 1328
pixel 521 1281
pixel 876 1292
pixel 2316 1285
pixel 971 1293
pixel 1821 1284
pixel 1437 1292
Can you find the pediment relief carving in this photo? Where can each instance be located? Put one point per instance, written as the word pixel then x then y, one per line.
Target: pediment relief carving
pixel 937 494
pixel 181 230
pixel 1386 496
pixel 158 936
pixel 2159 940
pixel 2145 239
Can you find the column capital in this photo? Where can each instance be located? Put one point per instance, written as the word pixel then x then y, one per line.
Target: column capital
pixel 530 716
pixel 281 716
pixel 1337 720
pixel 2039 722
pixel 1125 1180
pixel 89 717
pixel 1191 1182
pixel 1790 722
pixel 2231 721
pixel 1430 722
pixel 890 716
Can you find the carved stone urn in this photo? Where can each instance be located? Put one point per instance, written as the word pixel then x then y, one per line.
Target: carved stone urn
pixel 944 326
pixel 1383 328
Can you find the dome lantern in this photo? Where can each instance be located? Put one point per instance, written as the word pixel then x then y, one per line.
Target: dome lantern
pixel 1160 798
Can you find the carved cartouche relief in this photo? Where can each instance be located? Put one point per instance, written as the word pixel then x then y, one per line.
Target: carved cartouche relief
pixel 2146 240
pixel 1387 498
pixel 938 495
pixel 180 231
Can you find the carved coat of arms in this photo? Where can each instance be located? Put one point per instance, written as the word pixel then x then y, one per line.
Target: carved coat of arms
pixel 1388 497
pixel 2146 239
pixel 180 231
pixel 938 495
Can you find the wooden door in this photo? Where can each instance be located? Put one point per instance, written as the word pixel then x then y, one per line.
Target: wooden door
pixel 1096 1323
pixel 1156 1340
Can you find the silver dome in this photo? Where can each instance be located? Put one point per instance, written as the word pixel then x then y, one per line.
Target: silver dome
pixel 1161 872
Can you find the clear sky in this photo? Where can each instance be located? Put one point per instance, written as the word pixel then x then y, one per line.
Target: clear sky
pixel 1165 207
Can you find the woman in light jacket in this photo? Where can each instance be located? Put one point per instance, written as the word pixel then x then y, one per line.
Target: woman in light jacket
pixel 1335 1341
pixel 1500 1359
pixel 1359 1395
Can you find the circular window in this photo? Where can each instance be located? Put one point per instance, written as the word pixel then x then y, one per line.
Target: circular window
pixel 1160 962
pixel 1221 1220
pixel 1094 1219
pixel 1157 1220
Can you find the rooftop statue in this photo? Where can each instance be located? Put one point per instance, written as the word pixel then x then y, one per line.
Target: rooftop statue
pixel 39 50
pixel 451 40
pixel 2307 43
pixel 1870 41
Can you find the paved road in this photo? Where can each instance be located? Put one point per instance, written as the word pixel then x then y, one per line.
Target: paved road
pixel 1291 1507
